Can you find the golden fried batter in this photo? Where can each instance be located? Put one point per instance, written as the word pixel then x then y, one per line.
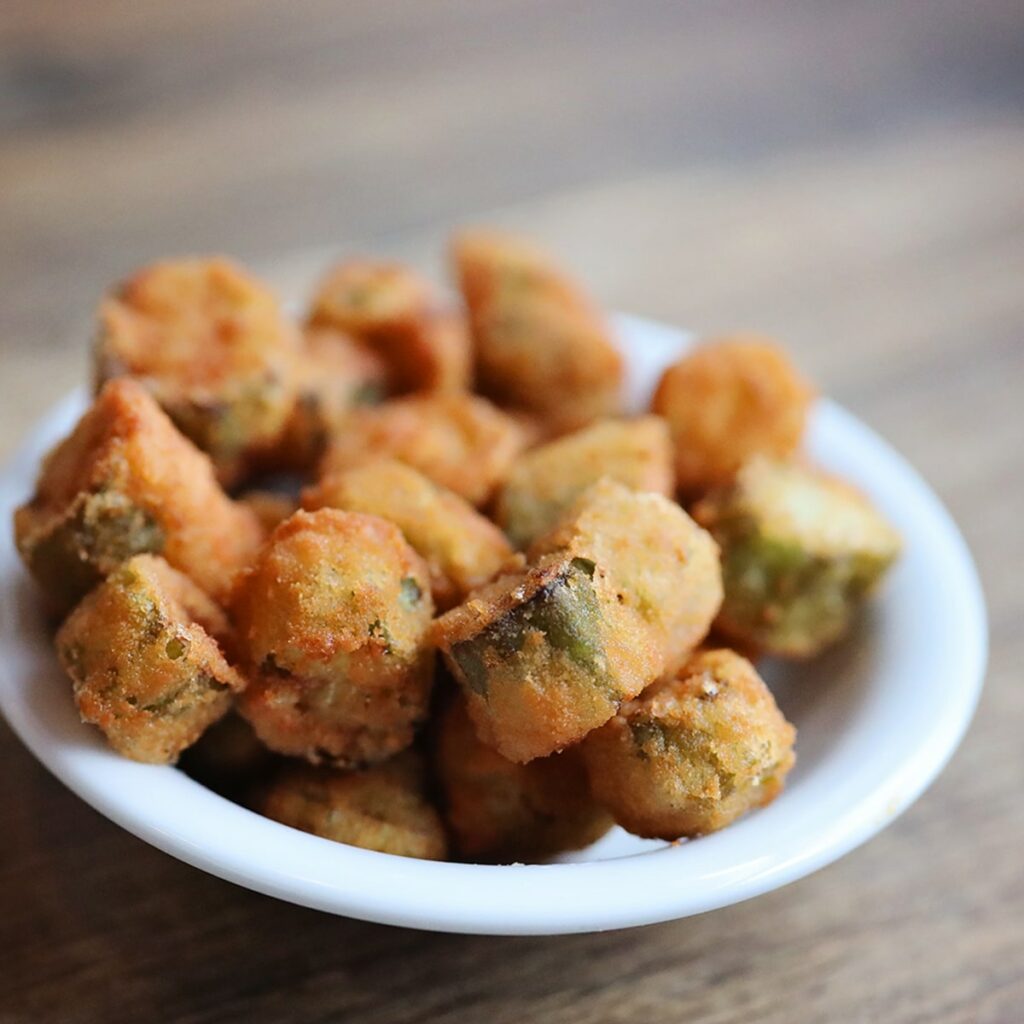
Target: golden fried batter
pixel 663 564
pixel 124 482
pixel 540 343
pixel 694 752
pixel 801 551
pixel 500 811
pixel 146 668
pixel 395 312
pixel 618 594
pixel 462 549
pixel 332 622
pixel 459 441
pixel 544 480
pixel 383 808
pixel 213 346
pixel 728 400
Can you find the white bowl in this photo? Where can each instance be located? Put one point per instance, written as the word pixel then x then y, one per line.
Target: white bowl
pixel 878 718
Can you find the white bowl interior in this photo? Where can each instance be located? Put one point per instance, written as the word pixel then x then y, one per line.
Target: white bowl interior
pixel 878 716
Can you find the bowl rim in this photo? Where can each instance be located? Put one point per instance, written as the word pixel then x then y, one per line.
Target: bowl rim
pixel 165 808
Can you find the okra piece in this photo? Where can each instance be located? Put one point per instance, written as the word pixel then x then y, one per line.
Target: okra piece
pixel 694 752
pixel 332 623
pixel 728 400
pixel 142 656
pixel 382 808
pixel 801 551
pixel 543 481
pixel 663 566
pixel 458 440
pixel 396 314
pixel 213 346
pixel 498 811
pixel 540 342
pixel 615 596
pixel 538 657
pixel 126 482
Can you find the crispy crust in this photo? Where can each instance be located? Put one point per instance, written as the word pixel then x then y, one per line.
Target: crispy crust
pixel 212 345
pixel 332 622
pixel 382 808
pixel 618 594
pixel 801 551
pixel 540 343
pixel 729 400
pixel 146 668
pixel 124 482
pixel 694 753
pixel 500 811
pixel 544 481
pixel 395 312
pixel 459 441
pixel 462 549
pixel 664 565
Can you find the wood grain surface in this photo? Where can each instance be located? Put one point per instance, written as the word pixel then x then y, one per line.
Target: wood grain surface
pixel 847 176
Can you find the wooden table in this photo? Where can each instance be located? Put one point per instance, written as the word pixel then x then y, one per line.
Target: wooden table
pixel 849 177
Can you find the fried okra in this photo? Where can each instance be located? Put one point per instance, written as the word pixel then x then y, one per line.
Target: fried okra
pixel 500 811
pixel 459 441
pixel 332 622
pixel 146 668
pixel 727 401
pixel 665 567
pixel 539 341
pixel 800 552
pixel 333 375
pixel 616 595
pixel 125 482
pixel 543 481
pixel 213 346
pixel 694 752
pixel 383 808
pixel 462 549
pixel 395 312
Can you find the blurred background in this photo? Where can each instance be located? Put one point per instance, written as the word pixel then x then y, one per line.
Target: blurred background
pixel 846 176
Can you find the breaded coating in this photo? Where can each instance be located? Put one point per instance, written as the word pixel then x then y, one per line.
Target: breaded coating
pixel 146 668
pixel 396 313
pixel 270 507
pixel 617 595
pixel 694 753
pixel 332 622
pixel 727 401
pixel 459 441
pixel 500 811
pixel 462 549
pixel 544 481
pixel 383 808
pixel 800 552
pixel 664 565
pixel 124 482
pixel 229 759
pixel 213 346
pixel 334 374
pixel 540 342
